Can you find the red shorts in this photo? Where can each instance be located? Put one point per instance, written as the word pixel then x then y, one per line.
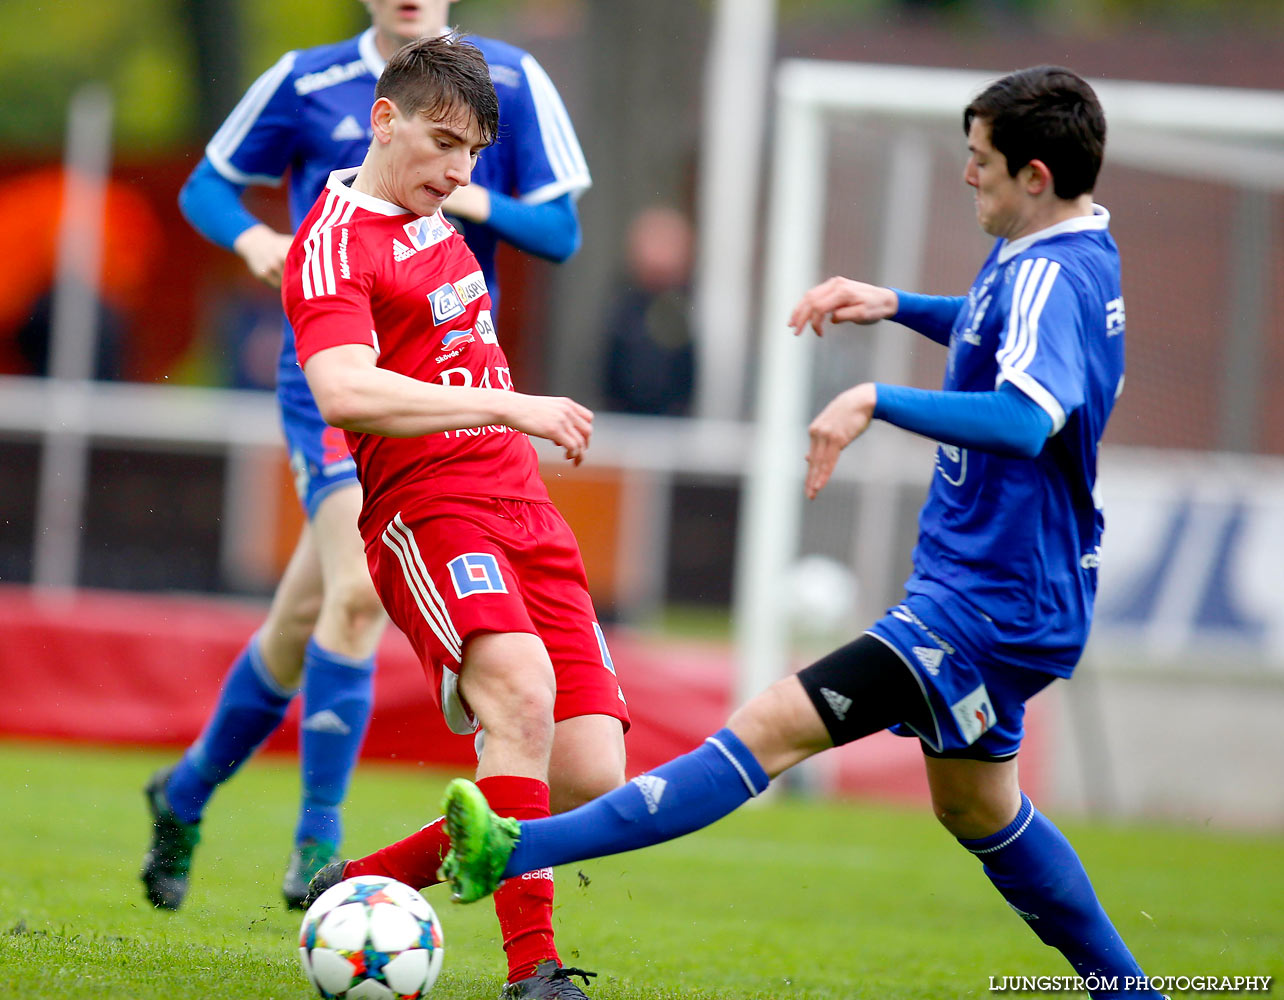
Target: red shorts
pixel 459 566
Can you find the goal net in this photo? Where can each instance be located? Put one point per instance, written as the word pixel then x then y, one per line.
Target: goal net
pixel 867 182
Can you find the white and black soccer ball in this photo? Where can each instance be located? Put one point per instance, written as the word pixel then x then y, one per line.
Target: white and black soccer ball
pixel 371 938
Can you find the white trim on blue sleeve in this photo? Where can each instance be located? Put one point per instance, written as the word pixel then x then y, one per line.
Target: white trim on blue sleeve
pixel 230 172
pixel 1034 389
pixel 225 142
pixel 561 146
pixel 1030 291
pixel 1034 280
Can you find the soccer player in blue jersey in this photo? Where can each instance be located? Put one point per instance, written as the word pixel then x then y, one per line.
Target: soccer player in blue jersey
pixel 308 115
pixel 1005 570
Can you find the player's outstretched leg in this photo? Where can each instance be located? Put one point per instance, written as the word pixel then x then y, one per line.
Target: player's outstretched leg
pixel 481 842
pixel 1039 874
pixel 679 797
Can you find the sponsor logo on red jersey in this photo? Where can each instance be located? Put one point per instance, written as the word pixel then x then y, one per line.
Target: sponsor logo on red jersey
pixel 471 287
pixel 445 304
pixel 455 338
pixel 427 231
pixel 485 328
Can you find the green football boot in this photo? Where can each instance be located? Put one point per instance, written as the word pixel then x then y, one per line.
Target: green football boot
pixel 306 860
pixel 480 842
pixel 167 864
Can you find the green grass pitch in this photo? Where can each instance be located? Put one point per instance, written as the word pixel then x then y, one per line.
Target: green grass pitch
pixel 789 899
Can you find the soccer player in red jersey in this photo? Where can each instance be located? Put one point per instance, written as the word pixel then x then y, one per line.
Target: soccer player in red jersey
pixel 472 561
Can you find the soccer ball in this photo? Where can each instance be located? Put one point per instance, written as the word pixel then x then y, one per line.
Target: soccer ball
pixel 371 938
pixel 822 595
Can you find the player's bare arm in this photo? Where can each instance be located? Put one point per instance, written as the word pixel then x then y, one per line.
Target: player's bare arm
pixel 842 300
pixel 354 394
pixel 263 249
pixel 838 425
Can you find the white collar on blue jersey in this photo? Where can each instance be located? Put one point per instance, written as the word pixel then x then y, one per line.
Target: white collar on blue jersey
pixel 370 51
pixel 1099 219
pixel 339 184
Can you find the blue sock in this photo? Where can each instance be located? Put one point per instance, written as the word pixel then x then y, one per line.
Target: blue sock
pixel 686 794
pixel 338 694
pixel 1033 865
pixel 250 706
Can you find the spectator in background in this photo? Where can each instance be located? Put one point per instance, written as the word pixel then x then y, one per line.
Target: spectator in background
pixel 650 359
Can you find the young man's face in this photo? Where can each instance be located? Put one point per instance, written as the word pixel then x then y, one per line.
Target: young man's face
pixel 1001 202
pixel 428 158
pixel 406 20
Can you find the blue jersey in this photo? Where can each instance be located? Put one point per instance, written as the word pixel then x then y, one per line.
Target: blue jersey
pixel 310 114
pixel 1018 538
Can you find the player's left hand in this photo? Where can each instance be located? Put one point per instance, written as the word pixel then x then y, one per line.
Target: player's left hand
pixel 560 419
pixel 471 203
pixel 838 425
pixel 842 300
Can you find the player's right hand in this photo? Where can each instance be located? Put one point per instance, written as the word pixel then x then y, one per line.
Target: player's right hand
pixel 846 418
pixel 263 249
pixel 842 300
pixel 559 419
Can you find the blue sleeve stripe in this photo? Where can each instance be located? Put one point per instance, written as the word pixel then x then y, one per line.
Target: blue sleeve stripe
pixel 1030 292
pixel 237 125
pixel 561 146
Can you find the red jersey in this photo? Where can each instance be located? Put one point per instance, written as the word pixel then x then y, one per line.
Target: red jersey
pixel 365 271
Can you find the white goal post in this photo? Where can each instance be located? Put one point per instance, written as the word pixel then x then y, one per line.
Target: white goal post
pixel 1230 136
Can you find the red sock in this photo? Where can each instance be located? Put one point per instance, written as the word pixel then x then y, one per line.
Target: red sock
pixel 414 860
pixel 524 905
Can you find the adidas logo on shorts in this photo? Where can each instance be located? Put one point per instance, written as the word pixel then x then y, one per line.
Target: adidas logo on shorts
pixel 838 703
pixel 930 658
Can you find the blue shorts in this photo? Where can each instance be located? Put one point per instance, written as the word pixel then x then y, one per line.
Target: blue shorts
pixel 976 698
pixel 319 456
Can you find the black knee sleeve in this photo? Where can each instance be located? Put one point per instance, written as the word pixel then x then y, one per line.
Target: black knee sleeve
pixel 862 688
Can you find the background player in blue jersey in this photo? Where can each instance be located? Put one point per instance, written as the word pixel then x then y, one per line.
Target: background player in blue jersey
pixel 1005 570
pixel 308 115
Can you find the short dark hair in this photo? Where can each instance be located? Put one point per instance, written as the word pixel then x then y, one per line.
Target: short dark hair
pixel 433 76
pixel 1046 113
